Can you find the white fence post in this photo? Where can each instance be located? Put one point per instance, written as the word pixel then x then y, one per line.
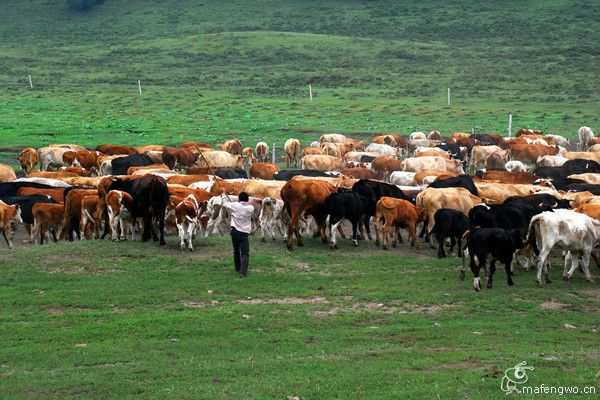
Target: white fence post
pixel 509 124
pixel 310 91
pixel 448 97
pixel 273 157
pixel 30 82
pixel 140 86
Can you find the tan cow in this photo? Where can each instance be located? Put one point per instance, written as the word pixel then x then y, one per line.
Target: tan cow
pixel 310 151
pixel 8 216
pixel 219 159
pixel 28 159
pixel 480 153
pixel 262 151
pixel 233 146
pixel 496 193
pixel 51 156
pixel 322 163
pixel 397 213
pixel 7 173
pixel 47 217
pixel 261 188
pixel 292 151
pixel 590 177
pixel 435 163
pixel 583 155
pixel 333 138
pixel 456 198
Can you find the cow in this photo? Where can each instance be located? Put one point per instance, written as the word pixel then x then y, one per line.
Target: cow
pixel 537 200
pixel 187 213
pixel 28 159
pixel 172 157
pixel 79 171
pixel 585 134
pixel 262 151
pixel 589 177
pixel 9 215
pixel 322 163
pixel 58 194
pixel 51 174
pixel 26 204
pixel 360 173
pixel 11 188
pixel 382 149
pixel 400 214
pixel 333 138
pixel 310 151
pixel 233 147
pixel 219 159
pixel 582 155
pixel 359 155
pixel 292 151
pixel 418 136
pixel 349 205
pixel 86 159
pixel 529 153
pixel 421 177
pixel 150 148
pixel 551 161
pixel 270 218
pixel 449 223
pixel 509 177
pixel 496 160
pixel 432 153
pixel 402 178
pixel 463 181
pixel 262 170
pixel 72 215
pixel 7 173
pixel 457 151
pixel 331 149
pixel 148 169
pixel 51 156
pixel 260 188
pixel 419 164
pixel 47 217
pixel 500 244
pixel 114 149
pixel 480 153
pixel 305 197
pixel 517 166
pixel 121 165
pixel 434 135
pixel 385 164
pixel 433 199
pixel 89 209
pixel 573 232
pixel 286 175
pixel 496 193
pixel 150 197
pixel 119 205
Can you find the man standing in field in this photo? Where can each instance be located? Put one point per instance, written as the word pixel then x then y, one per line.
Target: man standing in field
pixel 241 226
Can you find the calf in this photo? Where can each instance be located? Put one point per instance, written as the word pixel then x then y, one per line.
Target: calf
pixel 186 216
pixel 463 181
pixel 9 214
pixel 349 205
pixel 270 218
pixel 47 217
pixel 399 213
pixel 449 223
pixel 118 206
pixel 89 207
pixel 501 244
pixel 72 215
pixel 575 233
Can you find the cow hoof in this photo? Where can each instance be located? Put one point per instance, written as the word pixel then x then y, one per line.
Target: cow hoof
pixel 355 242
pixel 263 240
pixel 548 280
pixel 290 248
pixel 385 247
pixel 538 283
pixel 566 278
pixel 377 243
pixel 590 280
pixel 332 246
pixel 162 243
pixel 461 276
pixel 394 245
pixel 191 250
pixel 301 244
pixel 510 283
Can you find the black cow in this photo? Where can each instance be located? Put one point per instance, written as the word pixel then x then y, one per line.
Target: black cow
pixel 463 181
pixel 454 150
pixel 121 165
pixel 150 198
pixel 374 190
pixel 367 159
pixel 288 174
pixel 26 204
pixel 517 216
pixel 582 187
pixel 501 244
pixel 449 223
pixel 11 188
pixel 537 199
pixel 230 173
pixel 579 166
pixel 349 205
pixel 484 139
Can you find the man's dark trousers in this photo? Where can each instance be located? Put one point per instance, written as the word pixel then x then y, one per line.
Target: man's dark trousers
pixel 241 251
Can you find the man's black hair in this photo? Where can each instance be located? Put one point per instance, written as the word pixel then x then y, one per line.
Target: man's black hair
pixel 243 196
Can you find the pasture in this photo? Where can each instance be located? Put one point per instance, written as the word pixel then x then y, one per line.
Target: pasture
pixel 102 319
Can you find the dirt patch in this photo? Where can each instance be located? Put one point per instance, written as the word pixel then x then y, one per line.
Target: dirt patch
pixel 591 293
pixel 553 305
pixel 466 364
pixel 62 310
pixel 199 304
pixel 286 300
pixel 375 307
pixel 84 271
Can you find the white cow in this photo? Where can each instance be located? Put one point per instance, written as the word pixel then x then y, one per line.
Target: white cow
pixel 432 163
pixel 551 161
pixel 186 216
pixel 382 149
pixel 418 136
pixel 270 219
pixel 515 165
pixel 402 178
pixel 575 233
pixel 585 135
pixel 559 140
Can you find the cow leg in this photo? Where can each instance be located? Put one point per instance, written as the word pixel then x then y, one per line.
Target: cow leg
pixel 508 268
pixel 441 239
pixel 190 232
pixel 542 265
pixel 377 225
pixel 293 230
pixel 570 265
pixel 146 234
pixel 264 231
pixel 181 232
pixel 161 227
pixel 490 281
pixel 355 233
pixel 332 230
pixel 398 234
pixel 412 231
pixel 463 269
pixel 367 226
pixel 476 263
pixel 7 238
pixel 452 244
pixel 585 265
pixel 395 235
pixel 386 228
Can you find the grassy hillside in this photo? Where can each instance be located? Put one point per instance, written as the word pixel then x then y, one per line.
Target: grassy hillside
pixel 374 65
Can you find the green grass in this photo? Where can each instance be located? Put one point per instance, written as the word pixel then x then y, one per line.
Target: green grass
pixel 117 320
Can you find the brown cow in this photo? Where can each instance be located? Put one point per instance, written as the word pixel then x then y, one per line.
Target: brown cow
pixel 89 218
pixel 28 159
pixel 400 214
pixel 47 217
pixel 72 215
pixel 150 147
pixel 322 163
pixel 131 170
pixel 524 131
pixel 187 180
pixel 248 155
pixel 52 175
pixel 292 151
pixel 384 164
pixel 263 170
pixel 195 146
pixel 118 206
pixel 311 151
pixel 183 192
pixel 360 173
pixel 433 153
pixel 510 177
pixel 302 198
pixel 114 149
pixel 178 157
pixel 8 216
pixel 233 146
pixel 83 158
pixel 420 176
pixel 531 152
pixel 7 173
pixel 590 209
pixel 57 194
pixel 79 171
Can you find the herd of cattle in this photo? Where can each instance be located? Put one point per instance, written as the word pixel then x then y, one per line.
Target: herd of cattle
pixel 531 195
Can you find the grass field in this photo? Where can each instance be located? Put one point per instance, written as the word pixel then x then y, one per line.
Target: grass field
pixel 115 320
